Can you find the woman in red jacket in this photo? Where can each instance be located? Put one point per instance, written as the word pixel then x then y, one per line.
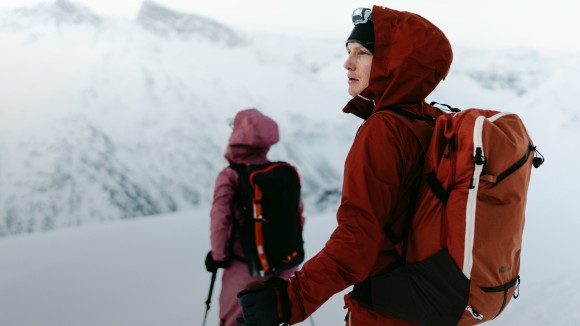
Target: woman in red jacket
pixel 395 59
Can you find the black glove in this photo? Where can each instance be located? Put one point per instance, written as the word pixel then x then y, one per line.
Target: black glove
pixel 212 265
pixel 260 302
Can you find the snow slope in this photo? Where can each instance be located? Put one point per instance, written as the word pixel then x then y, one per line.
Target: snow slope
pixel 150 272
pixel 142 272
pixel 104 119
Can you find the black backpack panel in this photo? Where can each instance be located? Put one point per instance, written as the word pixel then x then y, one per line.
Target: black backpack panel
pixel 272 241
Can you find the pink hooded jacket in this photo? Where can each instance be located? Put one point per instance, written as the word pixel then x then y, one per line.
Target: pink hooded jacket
pixel 252 135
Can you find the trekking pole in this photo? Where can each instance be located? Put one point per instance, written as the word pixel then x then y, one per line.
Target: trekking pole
pixel 208 301
pixel 311 321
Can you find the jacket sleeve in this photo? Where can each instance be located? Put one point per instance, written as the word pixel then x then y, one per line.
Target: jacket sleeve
pixel 222 214
pixel 374 170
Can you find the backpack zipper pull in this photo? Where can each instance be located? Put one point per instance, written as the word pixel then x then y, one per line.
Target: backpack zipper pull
pixel 474 313
pixel 538 160
pixel 479 159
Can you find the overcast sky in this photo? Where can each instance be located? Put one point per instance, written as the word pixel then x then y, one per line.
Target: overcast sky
pixel 546 25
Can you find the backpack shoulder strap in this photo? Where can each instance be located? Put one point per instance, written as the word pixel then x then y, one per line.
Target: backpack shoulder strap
pixel 241 192
pixel 421 125
pixel 238 167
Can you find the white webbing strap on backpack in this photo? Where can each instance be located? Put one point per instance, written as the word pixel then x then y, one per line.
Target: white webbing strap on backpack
pixel 479 160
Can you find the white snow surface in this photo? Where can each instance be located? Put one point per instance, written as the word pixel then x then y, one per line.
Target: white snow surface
pixel 141 272
pixel 150 272
pixel 106 120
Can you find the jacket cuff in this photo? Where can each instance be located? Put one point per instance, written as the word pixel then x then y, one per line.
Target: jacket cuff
pixel 222 263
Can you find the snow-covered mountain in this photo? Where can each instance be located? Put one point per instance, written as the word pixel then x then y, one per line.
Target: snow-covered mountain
pixel 57 12
pixel 104 118
pixel 169 23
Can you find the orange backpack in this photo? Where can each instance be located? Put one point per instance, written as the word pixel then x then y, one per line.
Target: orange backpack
pixel 464 240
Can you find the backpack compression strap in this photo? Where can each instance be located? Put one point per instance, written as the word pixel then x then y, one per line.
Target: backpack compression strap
pixel 258 218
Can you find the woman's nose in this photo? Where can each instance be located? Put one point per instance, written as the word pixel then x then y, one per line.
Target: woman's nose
pixel 348 63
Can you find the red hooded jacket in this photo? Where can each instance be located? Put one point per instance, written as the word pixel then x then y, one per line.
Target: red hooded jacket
pixel 383 166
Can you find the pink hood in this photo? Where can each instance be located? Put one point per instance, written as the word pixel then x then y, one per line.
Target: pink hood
pixel 251 138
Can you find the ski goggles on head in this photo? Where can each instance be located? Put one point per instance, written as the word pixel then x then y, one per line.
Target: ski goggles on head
pixel 361 15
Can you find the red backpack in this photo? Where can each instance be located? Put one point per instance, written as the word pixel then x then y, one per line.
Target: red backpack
pixel 464 239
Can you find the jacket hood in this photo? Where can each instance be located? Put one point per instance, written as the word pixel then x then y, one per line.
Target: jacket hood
pixel 252 135
pixel 410 58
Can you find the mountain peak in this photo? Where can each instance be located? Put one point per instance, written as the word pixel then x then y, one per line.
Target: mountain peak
pixel 61 12
pixel 167 22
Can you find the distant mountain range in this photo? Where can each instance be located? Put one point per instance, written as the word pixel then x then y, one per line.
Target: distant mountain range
pixel 104 119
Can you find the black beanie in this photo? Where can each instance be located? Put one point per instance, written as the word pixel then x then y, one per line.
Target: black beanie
pixel 364 34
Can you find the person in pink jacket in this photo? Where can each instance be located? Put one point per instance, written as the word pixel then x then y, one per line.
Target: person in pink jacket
pixel 252 136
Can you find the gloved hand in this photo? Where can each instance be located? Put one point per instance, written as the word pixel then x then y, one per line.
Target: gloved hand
pixel 263 302
pixel 212 265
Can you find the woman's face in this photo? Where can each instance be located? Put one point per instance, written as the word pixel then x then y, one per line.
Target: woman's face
pixel 358 65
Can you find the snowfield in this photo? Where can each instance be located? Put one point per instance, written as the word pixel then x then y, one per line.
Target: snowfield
pixel 150 272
